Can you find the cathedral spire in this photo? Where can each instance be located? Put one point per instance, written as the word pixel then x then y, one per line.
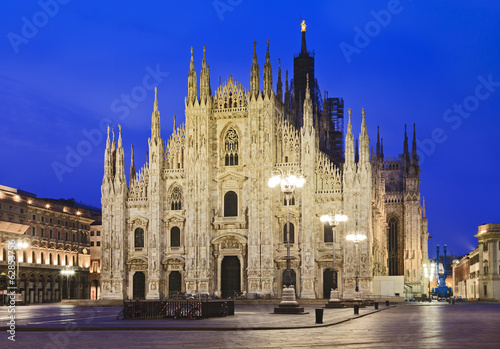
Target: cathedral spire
pixel 108 159
pixel 205 79
pixel 132 163
pixel 364 141
pixel 279 85
pixel 254 74
pixel 382 149
pixel 378 143
pixel 303 48
pixel 120 162
pixel 192 88
pixel 414 144
pixel 308 108
pixel 268 74
pixel 349 146
pixel 405 150
pixel 423 207
pixel 155 119
pixel 174 125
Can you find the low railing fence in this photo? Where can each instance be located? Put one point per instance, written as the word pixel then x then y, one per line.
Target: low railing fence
pixel 177 309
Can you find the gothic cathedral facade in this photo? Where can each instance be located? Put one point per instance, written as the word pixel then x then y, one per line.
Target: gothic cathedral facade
pixel 200 218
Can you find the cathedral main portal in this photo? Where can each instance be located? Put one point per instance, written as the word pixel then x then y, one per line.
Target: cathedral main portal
pixel 230 276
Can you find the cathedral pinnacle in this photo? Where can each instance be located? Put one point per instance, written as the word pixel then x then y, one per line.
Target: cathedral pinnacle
pixel 155 107
pixel 254 58
pixel 349 125
pixel 204 62
pixel 120 142
pixel 303 26
pixel 191 64
pixel 132 163
pixel 108 142
pixel 308 92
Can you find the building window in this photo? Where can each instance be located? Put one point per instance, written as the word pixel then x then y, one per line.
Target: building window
pixel 41 218
pixel 98 243
pixel 66 260
pixel 58 235
pixel 58 222
pixel 230 204
pixel 292 233
pixel 328 232
pixel 50 220
pixel 139 238
pixel 176 199
pixel 34 217
pixel 74 237
pixel 485 269
pixel 58 259
pixel 33 231
pixel 42 259
pixel 485 246
pixel 175 237
pixel 50 233
pixel 393 246
pixel 98 233
pixel 231 148
pixel 50 259
pixel 22 210
pixel 485 290
pixel 94 267
pixel 41 232
pixel 92 244
pixel 33 259
pixel 92 233
pixel 66 235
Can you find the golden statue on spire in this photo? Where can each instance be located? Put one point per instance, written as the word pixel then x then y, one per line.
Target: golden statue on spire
pixel 303 26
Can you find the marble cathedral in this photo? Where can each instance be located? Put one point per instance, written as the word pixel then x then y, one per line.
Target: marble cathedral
pixel 199 217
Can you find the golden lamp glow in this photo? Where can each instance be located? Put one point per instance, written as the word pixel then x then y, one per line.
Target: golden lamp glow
pixel 303 26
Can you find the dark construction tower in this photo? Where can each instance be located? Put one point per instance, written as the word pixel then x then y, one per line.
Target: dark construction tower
pixel 328 115
pixel 303 65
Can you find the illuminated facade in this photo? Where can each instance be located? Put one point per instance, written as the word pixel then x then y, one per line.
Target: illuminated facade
pixel 199 217
pixel 57 238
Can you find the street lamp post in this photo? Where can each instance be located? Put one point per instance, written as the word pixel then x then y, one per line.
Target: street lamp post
pixel 334 220
pixel 288 181
pixel 429 271
pixel 20 245
pixel 356 237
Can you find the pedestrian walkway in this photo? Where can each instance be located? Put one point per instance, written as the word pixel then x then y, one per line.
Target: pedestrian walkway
pixel 247 317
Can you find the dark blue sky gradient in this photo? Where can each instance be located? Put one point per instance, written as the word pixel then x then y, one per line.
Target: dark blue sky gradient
pixel 70 74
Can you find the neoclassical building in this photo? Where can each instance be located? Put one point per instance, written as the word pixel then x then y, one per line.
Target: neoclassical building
pixel 199 217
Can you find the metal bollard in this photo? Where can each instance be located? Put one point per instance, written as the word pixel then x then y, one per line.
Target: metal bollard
pixel 376 305
pixel 356 309
pixel 386 303
pixel 319 316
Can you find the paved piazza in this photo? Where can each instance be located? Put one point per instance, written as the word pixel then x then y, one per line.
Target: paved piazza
pixel 415 325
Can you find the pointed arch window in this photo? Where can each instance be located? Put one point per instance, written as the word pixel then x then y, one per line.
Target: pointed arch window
pixel 231 148
pixel 176 199
pixel 393 246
